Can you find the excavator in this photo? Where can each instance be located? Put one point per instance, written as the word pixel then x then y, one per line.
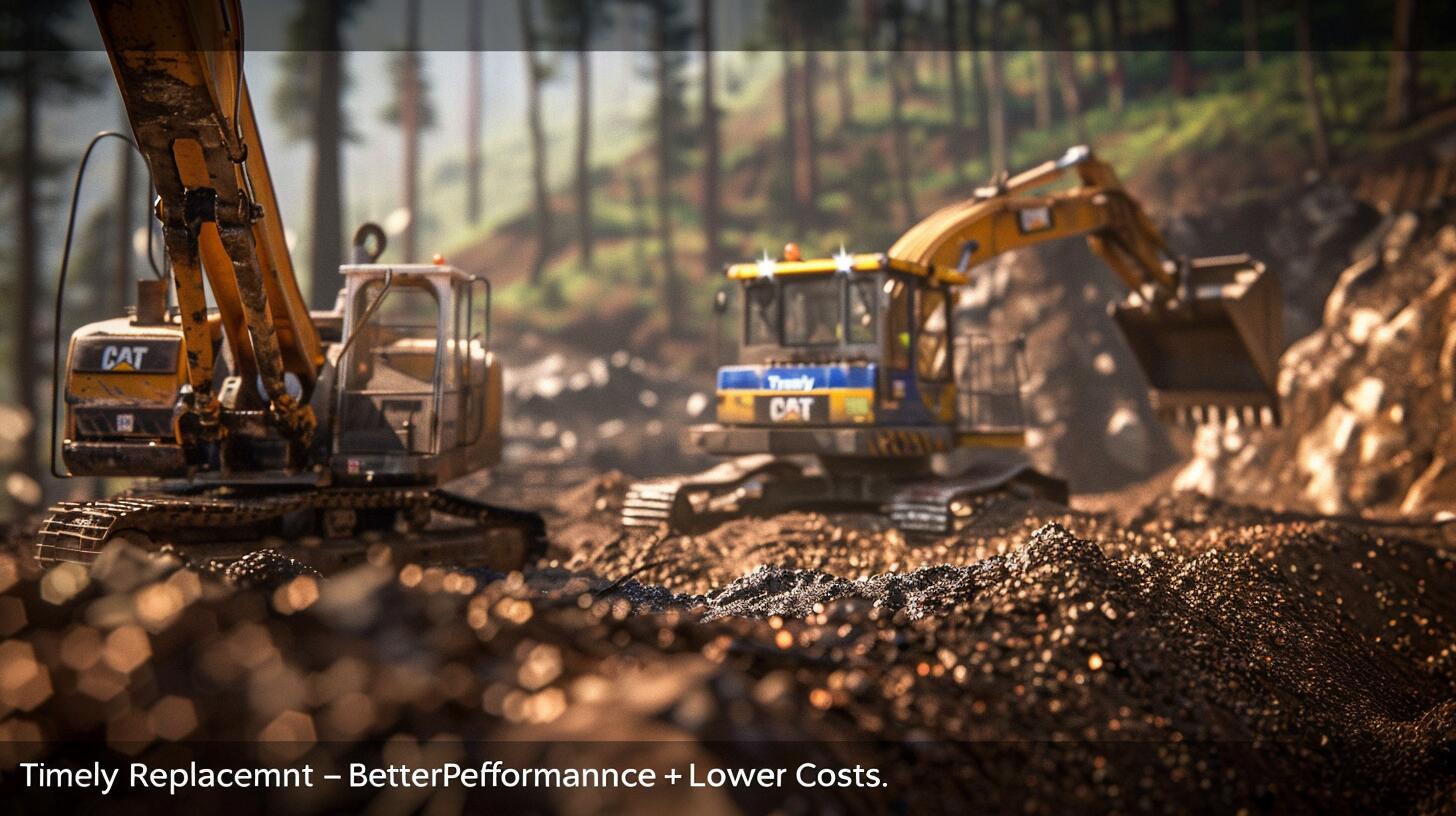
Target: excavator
pixel 254 416
pixel 853 379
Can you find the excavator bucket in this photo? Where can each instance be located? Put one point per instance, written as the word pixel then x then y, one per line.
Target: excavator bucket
pixel 1215 354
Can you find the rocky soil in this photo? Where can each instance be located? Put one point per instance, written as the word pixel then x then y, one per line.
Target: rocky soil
pixel 1200 656
pixel 1370 395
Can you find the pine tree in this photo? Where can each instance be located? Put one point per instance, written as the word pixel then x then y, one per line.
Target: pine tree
pixel 412 112
pixel 37 65
pixel 535 74
pixel 309 103
pixel 712 160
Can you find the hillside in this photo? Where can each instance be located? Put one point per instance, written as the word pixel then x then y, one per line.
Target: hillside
pixel 1240 137
pixel 1223 172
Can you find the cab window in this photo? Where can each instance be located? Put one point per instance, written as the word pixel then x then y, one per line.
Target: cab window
pixel 899 323
pixel 863 297
pixel 396 350
pixel 761 315
pixel 811 312
pixel 932 346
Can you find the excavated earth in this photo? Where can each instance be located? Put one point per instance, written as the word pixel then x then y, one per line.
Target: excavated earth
pixel 1198 657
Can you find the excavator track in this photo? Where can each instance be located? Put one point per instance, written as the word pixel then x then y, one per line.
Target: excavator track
pixel 763 485
pixel 740 486
pixel 936 508
pixel 76 532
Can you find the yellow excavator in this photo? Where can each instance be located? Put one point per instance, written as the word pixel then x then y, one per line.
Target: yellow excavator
pixel 253 416
pixel 853 375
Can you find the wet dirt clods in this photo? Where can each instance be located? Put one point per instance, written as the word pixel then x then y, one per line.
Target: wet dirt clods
pixel 1041 659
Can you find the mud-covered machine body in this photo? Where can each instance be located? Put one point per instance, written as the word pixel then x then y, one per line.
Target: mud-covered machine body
pixel 853 376
pixel 247 413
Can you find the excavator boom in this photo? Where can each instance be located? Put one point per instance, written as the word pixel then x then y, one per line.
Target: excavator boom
pixel 1206 332
pixel 179 68
pixel 337 432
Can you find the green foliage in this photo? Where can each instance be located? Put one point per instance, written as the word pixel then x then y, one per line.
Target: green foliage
pixel 871 201
pixel 1234 115
pixel 574 24
pixel 398 72
pixel 32 33
pixel 316 27
pixel 672 37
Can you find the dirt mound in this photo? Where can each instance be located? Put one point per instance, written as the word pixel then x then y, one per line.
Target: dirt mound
pixel 574 413
pixel 1200 653
pixel 1368 397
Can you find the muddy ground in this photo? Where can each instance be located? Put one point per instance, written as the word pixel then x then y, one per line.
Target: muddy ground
pixel 1200 656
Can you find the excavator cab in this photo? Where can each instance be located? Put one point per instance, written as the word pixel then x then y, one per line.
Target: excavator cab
pixel 852 358
pixel 420 397
pixel 852 377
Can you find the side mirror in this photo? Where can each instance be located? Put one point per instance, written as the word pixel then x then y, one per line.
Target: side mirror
pixel 720 301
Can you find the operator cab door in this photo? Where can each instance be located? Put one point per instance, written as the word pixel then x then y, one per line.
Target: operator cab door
pixel 895 379
pixel 916 384
pixel 389 400
pixel 934 353
pixel 468 392
pixel 420 397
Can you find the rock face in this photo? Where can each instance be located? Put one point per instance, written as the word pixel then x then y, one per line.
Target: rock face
pixel 1369 397
pixel 1084 396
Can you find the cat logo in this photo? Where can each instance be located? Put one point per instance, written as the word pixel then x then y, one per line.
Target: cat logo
pixel 790 409
pixel 122 358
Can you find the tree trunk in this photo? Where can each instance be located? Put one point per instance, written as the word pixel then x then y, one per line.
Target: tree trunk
pixel 474 113
pixel 326 248
pixel 410 125
pixel 1326 69
pixel 1252 56
pixel 671 286
pixel 26 260
pixel 1067 74
pixel 977 89
pixel 1117 83
pixel 583 153
pixel 1101 53
pixel 957 94
pixel 842 89
pixel 1182 74
pixel 996 94
pixel 640 230
pixel 1314 107
pixel 810 75
pixel 1041 76
pixel 538 143
pixel 901 137
pixel 1400 89
pixel 791 140
pixel 713 254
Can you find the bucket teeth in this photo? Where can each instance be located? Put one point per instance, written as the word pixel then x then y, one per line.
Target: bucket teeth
pixel 1245 416
pixel 649 504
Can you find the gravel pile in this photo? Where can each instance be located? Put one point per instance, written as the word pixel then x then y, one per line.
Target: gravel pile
pixel 1201 656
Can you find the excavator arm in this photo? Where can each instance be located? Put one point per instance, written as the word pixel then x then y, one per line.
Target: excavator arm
pixel 1206 332
pixel 179 68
